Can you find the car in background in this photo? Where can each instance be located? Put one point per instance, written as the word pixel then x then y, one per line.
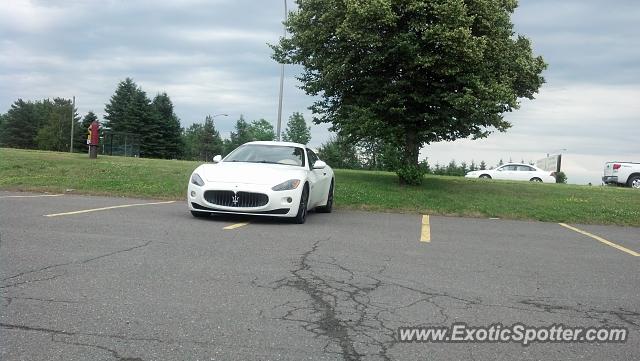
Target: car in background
pixel 515 171
pixel 278 179
pixel 622 173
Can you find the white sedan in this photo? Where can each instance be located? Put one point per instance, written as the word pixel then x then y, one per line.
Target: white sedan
pixel 278 179
pixel 515 171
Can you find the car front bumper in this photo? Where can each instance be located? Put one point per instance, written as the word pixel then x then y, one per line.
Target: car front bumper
pixel 280 204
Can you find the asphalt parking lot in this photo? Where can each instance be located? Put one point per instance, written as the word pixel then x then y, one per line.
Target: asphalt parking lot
pixel 95 278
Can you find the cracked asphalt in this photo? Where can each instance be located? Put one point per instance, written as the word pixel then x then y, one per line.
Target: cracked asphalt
pixel 154 283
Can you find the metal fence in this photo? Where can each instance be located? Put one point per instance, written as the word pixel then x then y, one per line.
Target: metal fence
pixel 120 143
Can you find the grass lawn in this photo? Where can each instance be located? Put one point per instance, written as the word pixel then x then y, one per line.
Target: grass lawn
pixel 167 179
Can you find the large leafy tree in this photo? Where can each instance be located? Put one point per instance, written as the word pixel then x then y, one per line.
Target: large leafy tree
pixel 55 131
pixel 411 72
pixel 297 130
pixel 262 130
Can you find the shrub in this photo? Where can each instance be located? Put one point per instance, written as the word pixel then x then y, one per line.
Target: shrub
pixel 411 174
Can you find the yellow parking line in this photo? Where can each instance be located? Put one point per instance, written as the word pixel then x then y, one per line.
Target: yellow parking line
pixel 608 243
pixel 105 208
pixel 425 234
pixel 38 196
pixel 237 225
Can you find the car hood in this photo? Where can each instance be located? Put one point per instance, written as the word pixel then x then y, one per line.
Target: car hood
pixel 249 173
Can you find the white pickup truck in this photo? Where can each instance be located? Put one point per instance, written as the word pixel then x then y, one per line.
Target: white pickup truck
pixel 622 173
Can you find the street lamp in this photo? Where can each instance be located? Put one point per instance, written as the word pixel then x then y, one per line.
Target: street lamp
pixel 281 81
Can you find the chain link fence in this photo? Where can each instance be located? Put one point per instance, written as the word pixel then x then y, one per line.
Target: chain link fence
pixel 120 144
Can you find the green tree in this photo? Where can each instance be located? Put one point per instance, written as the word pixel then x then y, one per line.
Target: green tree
pixel 338 152
pixel 378 154
pixel 262 130
pixel 89 118
pixel 169 126
pixel 297 130
pixel 20 125
pixel 55 131
pixel 473 166
pixel 129 111
pixel 561 177
pixel 413 72
pixel 483 165
pixel 241 134
pixel 202 141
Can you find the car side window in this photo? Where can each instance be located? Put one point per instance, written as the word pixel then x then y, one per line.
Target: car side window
pixel 312 158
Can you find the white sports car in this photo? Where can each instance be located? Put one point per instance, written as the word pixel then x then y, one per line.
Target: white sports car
pixel 278 179
pixel 515 171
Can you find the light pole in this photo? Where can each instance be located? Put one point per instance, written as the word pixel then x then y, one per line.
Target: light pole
pixel 73 108
pixel 279 127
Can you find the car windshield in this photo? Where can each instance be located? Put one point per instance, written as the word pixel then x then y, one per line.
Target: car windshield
pixel 262 153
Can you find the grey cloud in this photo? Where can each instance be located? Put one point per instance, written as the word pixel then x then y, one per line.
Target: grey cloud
pixel 211 57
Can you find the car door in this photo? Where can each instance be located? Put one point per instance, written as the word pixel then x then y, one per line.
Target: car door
pixel 526 173
pixel 504 172
pixel 318 184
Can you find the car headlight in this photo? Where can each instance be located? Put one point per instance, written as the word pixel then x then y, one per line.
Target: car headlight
pixel 288 185
pixel 195 179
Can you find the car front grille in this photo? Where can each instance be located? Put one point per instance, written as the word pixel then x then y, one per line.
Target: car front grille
pixel 236 199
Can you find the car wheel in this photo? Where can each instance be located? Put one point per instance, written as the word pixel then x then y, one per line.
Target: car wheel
pixel 485 176
pixel 535 179
pixel 634 182
pixel 301 217
pixel 199 214
pixel 329 206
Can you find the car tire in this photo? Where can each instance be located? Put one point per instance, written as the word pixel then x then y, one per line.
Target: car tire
pixel 329 206
pixel 301 216
pixel 634 182
pixel 199 214
pixel 485 176
pixel 535 179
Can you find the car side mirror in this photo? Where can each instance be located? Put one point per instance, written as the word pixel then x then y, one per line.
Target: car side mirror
pixel 217 158
pixel 319 164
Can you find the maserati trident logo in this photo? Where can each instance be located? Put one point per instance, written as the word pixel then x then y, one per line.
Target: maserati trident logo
pixel 235 199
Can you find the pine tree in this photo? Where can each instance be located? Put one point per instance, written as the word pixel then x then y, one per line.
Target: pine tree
pixel 483 165
pixel 169 126
pixel 129 111
pixel 20 126
pixel 241 135
pixel 210 139
pixel 120 111
pixel 473 166
pixel 297 130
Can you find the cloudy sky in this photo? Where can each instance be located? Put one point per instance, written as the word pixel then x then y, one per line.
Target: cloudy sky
pixel 211 57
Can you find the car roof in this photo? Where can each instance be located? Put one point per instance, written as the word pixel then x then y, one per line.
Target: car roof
pixel 529 165
pixel 290 144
